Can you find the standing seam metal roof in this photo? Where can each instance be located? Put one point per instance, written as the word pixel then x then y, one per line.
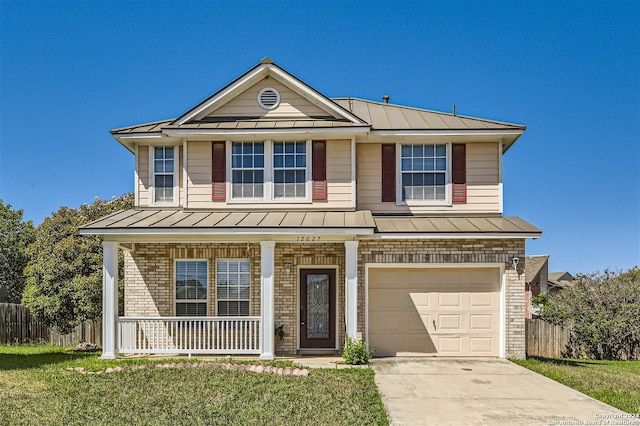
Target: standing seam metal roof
pixel 380 116
pixel 182 219
pixel 384 116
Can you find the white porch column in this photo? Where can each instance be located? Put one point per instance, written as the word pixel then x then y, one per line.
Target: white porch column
pixel 267 309
pixel 109 299
pixel 351 286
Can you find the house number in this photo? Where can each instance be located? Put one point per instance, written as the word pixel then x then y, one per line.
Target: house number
pixel 309 238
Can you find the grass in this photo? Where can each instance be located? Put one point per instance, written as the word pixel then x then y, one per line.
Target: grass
pixel 37 388
pixel 616 383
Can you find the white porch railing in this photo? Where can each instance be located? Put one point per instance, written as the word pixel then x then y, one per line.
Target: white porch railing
pixel 189 335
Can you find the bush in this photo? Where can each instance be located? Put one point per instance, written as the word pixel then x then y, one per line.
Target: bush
pixel 356 353
pixel 602 311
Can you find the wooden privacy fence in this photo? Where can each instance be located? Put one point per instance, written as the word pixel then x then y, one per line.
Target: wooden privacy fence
pixel 18 326
pixel 544 339
pixel 88 331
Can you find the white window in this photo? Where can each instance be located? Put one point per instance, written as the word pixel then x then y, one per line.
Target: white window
pixel 289 169
pixel 233 277
pixel 192 281
pixel 164 175
pixel 424 173
pixel 270 170
pixel 247 170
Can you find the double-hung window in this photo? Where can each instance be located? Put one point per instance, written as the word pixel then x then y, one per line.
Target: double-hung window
pixel 192 281
pixel 247 170
pixel 164 174
pixel 270 171
pixel 233 278
pixel 289 169
pixel 424 172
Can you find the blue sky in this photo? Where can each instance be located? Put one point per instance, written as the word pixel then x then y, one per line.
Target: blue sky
pixel 570 71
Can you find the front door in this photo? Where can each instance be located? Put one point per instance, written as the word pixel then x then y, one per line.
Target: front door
pixel 317 308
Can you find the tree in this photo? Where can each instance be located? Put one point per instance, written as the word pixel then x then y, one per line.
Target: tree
pixel 15 236
pixel 64 275
pixel 602 311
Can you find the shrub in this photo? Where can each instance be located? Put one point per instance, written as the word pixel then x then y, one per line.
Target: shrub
pixel 356 353
pixel 602 311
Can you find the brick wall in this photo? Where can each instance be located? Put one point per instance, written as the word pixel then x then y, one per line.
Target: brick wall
pixel 456 251
pixel 149 276
pixel 329 256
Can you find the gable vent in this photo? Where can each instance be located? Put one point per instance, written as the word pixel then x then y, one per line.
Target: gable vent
pixel 268 98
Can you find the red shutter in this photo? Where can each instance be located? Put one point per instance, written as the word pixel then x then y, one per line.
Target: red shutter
pixel 319 170
pixel 218 171
pixel 389 172
pixel 459 172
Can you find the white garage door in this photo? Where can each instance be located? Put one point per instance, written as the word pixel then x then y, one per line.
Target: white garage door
pixel 443 312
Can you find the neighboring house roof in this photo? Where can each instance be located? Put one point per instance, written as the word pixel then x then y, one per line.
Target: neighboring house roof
pixel 360 222
pixel 560 279
pixel 560 276
pixel 533 265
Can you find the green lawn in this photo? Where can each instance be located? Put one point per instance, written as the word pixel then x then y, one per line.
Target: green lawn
pixel 37 388
pixel 616 383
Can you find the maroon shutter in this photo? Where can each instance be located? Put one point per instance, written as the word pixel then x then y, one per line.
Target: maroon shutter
pixel 389 172
pixel 459 172
pixel 218 171
pixel 319 170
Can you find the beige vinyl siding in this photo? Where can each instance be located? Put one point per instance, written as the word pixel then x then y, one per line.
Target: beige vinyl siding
pixel 199 175
pixel 246 104
pixel 338 181
pixel 143 176
pixel 483 182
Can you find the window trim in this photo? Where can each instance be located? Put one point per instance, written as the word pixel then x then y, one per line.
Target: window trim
pixel 175 284
pixel 447 178
pixel 176 176
pixel 217 313
pixel 268 188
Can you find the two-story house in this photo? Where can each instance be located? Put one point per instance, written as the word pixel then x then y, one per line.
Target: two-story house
pixel 269 204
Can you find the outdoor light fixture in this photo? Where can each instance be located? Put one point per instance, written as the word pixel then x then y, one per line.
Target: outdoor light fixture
pixel 287 267
pixel 515 261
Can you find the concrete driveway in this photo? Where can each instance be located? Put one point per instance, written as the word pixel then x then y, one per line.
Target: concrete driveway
pixel 437 391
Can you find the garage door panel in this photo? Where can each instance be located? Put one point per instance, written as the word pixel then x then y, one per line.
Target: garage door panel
pixel 445 312
pixel 394 344
pixel 482 322
pixel 388 300
pixel 481 345
pixel 420 300
pixel 481 300
pixel 416 323
pixel 450 300
pixel 449 322
pixel 450 345
pixel 388 322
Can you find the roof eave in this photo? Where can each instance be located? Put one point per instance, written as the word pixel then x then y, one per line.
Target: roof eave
pixel 348 130
pixel 224 231
pixel 457 235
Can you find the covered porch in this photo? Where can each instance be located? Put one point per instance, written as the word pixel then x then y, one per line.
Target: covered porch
pixel 280 258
